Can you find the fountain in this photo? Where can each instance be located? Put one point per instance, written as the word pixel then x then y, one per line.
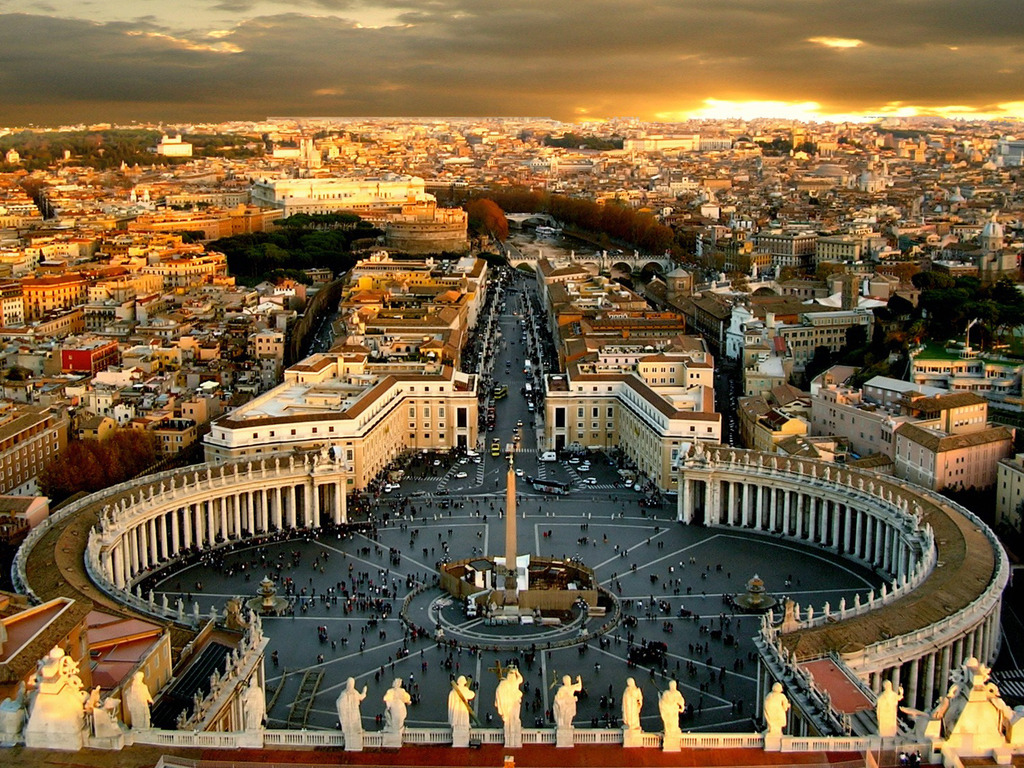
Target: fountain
pixel 756 599
pixel 267 601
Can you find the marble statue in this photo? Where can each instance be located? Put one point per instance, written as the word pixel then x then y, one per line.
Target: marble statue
pixel 12 715
pixel 254 706
pixel 138 698
pixel 458 703
pixel 508 699
pixel 632 702
pixel 104 716
pixel 886 706
pixel 57 717
pixel 396 703
pixel 776 710
pixel 670 705
pixel 564 706
pixel 349 717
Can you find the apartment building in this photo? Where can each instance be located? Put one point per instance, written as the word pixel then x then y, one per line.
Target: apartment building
pixel 952 445
pixel 30 436
pixel 43 295
pixel 1010 493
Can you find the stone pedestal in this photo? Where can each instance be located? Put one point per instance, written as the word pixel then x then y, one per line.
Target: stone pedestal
pixel 353 744
pixel 632 737
pixel 391 739
pixel 513 738
pixel 671 742
pixel 564 737
pixel 773 742
pixel 460 737
pixel 251 739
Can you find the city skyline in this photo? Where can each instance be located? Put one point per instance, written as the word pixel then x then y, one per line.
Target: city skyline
pixel 244 59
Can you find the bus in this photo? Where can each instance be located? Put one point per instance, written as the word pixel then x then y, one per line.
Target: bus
pixel 500 392
pixel 496 448
pixel 549 486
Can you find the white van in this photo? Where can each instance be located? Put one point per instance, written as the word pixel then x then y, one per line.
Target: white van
pixel 549 456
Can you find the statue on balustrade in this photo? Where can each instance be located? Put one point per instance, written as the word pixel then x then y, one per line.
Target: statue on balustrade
pixel 508 700
pixel 349 716
pixel 138 698
pixel 776 710
pixel 632 703
pixel 564 706
pixel 396 703
pixel 670 705
pixel 57 716
pixel 254 706
pixel 458 703
pixel 886 706
pixel 12 715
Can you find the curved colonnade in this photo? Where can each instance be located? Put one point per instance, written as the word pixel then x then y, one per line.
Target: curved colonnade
pixel 945 568
pixel 151 522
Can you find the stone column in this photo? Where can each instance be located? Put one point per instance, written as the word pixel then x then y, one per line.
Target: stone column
pixel 944 667
pixel 118 560
pixel 929 681
pixel 175 533
pixel 313 508
pixel 250 516
pixel 858 525
pixel 133 553
pixel 236 509
pixel 163 536
pixel 801 500
pixel 745 505
pixel 912 681
pixel 812 518
pixel 685 511
pixel 292 504
pixel 786 512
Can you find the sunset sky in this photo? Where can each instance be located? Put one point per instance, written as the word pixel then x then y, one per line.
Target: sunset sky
pixel 183 60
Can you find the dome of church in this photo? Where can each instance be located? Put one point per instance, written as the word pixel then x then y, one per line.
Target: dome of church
pixel 992 229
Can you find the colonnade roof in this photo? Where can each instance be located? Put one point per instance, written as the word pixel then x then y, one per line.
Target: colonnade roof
pixel 966 563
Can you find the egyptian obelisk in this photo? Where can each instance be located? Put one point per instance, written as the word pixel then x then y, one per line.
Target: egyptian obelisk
pixel 511 594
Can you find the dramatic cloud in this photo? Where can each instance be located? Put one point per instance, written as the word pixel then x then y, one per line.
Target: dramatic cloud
pixel 248 58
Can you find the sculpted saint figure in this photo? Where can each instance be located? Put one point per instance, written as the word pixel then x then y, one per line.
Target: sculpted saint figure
pixel 886 705
pixel 458 703
pixel 564 706
pixel 776 710
pixel 348 712
pixel 508 699
pixel 396 702
pixel 254 706
pixel 138 698
pixel 670 704
pixel 632 701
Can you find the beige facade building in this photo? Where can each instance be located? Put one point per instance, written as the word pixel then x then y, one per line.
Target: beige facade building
pixel 30 436
pixel 600 408
pixel 952 445
pixel 370 413
pixel 1010 493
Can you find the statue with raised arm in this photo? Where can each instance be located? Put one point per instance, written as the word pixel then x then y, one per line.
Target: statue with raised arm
pixel 396 703
pixel 670 705
pixel 349 716
pixel 632 702
pixel 254 706
pixel 508 700
pixel 138 698
pixel 564 707
pixel 776 710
